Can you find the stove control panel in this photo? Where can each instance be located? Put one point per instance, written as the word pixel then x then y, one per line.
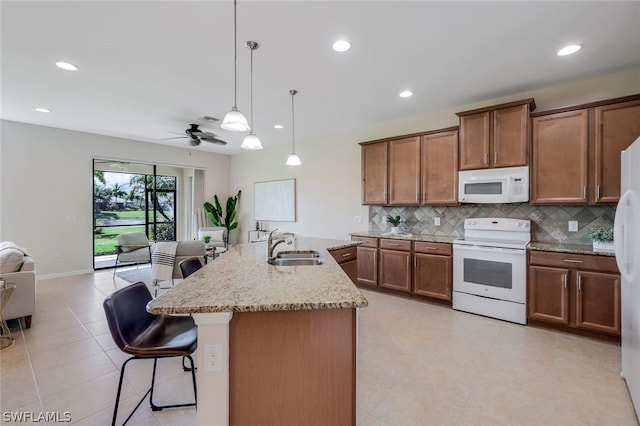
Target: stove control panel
pixel 497 224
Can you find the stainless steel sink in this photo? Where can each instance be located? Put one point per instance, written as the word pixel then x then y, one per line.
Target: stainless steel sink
pixel 296 261
pixel 298 254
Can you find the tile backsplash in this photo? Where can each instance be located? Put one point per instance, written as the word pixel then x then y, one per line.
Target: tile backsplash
pixel 548 223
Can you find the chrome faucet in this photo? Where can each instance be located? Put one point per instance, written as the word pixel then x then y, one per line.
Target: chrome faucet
pixel 271 245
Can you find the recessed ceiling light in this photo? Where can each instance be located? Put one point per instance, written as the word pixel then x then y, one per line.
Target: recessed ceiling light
pixel 341 46
pixel 568 50
pixel 406 94
pixel 66 66
pixel 39 109
pixel 278 126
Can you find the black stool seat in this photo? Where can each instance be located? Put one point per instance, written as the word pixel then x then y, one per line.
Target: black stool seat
pixel 189 266
pixel 147 336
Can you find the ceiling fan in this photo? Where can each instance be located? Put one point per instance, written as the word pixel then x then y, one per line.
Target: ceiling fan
pixel 196 136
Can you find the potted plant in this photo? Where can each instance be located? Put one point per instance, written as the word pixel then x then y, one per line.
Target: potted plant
pixel 602 239
pixel 395 223
pixel 206 239
pixel 218 217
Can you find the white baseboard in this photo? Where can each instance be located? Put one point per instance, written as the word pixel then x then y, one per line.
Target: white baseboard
pixel 64 274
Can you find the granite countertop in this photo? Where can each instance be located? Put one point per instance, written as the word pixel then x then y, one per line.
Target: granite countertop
pixel 567 248
pixel 241 280
pixel 411 237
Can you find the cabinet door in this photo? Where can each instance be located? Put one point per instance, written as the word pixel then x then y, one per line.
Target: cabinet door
pixel 440 168
pixel 395 270
pixel 559 166
pixel 598 302
pixel 510 136
pixel 617 126
pixel 374 173
pixel 367 270
pixel 549 294
pixel 474 141
pixel 351 269
pixel 404 171
pixel 432 276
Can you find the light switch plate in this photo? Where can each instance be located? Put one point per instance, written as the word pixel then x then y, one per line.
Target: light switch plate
pixel 573 226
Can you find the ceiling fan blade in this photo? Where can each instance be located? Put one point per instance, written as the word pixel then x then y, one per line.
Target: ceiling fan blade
pixel 213 140
pixel 174 138
pixel 209 118
pixel 208 135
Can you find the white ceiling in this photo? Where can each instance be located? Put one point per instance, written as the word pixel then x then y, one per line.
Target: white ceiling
pixel 148 68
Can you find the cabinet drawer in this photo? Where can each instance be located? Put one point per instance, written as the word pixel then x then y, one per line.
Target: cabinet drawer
pixel 345 254
pixel 390 244
pixel 366 241
pixel 574 261
pixel 432 248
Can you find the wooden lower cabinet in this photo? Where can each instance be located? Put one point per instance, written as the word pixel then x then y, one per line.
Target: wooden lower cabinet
pixel 395 270
pixel 347 258
pixel 598 302
pixel 367 263
pixel 576 291
pixel 432 270
pixel 549 294
pixel 293 367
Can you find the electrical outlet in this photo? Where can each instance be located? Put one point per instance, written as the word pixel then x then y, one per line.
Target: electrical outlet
pixel 384 219
pixel 573 226
pixel 57 253
pixel 213 357
pixel 357 219
pixel 436 221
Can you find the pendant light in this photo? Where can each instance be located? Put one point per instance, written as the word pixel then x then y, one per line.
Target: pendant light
pixel 235 121
pixel 293 159
pixel 251 141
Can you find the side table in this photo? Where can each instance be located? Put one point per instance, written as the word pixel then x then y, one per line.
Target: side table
pixel 6 339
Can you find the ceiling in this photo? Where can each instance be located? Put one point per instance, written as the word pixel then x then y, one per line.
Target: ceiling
pixel 147 69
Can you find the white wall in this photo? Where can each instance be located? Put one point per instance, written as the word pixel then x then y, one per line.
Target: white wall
pixel 328 182
pixel 46 175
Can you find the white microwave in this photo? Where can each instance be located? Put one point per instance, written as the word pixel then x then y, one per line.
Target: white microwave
pixel 494 186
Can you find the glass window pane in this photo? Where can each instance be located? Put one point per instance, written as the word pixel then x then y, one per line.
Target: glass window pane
pixel 487 272
pixel 483 188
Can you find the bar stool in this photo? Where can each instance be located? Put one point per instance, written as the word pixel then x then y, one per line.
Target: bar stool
pixel 189 266
pixel 147 336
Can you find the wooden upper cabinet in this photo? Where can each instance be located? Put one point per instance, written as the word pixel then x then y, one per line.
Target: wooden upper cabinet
pixel 616 127
pixel 439 167
pixel 374 173
pixel 495 136
pixel 474 141
pixel 511 136
pixel 404 171
pixel 559 166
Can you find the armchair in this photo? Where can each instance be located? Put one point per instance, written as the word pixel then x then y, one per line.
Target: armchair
pixel 218 234
pixel 133 247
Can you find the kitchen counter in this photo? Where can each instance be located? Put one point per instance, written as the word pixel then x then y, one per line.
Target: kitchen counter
pixel 567 248
pixel 241 280
pixel 289 329
pixel 411 237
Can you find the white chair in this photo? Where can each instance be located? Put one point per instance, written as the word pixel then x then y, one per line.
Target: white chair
pixel 133 247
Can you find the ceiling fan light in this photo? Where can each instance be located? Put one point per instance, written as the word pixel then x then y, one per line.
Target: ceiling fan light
pixel 293 160
pixel 235 121
pixel 251 142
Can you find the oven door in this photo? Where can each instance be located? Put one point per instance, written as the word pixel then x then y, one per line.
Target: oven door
pixel 498 273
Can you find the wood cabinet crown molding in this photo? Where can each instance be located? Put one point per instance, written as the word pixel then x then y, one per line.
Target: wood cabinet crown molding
pixel 410 135
pixel 530 101
pixel 587 105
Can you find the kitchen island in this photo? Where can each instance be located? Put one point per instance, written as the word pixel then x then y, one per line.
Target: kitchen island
pixel 276 344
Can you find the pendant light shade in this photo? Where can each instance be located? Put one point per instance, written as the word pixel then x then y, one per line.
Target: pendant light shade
pixel 293 159
pixel 251 141
pixel 235 121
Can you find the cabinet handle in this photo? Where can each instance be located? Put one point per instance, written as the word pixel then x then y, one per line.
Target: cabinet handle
pixel 572 261
pixel 564 280
pixel 597 192
pixel 394 245
pixel 579 282
pixel 415 262
pixel 417 196
pixel 346 255
pixel 495 157
pixel 407 261
pixel 584 192
pixel 486 158
pixel 430 248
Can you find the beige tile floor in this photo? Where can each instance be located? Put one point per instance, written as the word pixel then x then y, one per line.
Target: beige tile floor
pixel 418 364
